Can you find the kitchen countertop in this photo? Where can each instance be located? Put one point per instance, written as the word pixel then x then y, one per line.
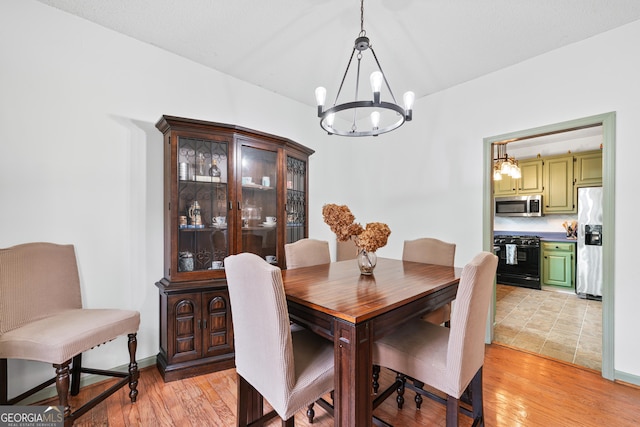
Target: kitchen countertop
pixel 544 236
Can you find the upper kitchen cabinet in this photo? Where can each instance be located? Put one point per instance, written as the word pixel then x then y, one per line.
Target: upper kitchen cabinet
pixel 558 193
pixel 588 169
pixel 530 181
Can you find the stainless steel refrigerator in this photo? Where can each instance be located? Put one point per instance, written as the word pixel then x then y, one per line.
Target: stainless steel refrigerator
pixel 589 265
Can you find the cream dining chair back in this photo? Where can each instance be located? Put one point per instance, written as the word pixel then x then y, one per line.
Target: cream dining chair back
pixel 307 252
pixel 42 319
pixel 289 369
pixel 432 251
pixel 346 250
pixel 447 359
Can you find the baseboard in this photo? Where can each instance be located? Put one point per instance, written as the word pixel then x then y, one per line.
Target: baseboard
pixel 627 378
pixel 85 380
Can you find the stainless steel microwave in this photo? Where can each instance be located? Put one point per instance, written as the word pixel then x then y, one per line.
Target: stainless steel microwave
pixel 525 206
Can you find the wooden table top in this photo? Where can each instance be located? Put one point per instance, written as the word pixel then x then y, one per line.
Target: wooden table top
pixel 338 289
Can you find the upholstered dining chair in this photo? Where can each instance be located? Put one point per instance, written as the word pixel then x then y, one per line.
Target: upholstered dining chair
pixel 42 319
pixel 307 252
pixel 289 369
pixel 432 251
pixel 447 359
pixel 346 250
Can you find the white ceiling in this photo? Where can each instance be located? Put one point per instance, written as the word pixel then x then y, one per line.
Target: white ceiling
pixel 292 46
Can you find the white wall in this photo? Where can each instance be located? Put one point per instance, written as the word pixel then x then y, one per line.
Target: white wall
pixel 430 172
pixel 80 158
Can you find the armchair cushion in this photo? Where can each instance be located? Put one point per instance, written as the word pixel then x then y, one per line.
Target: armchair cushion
pixel 59 337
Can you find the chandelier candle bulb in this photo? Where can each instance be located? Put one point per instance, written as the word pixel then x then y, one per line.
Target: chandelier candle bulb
pixel 375 119
pixel 321 96
pixel 376 85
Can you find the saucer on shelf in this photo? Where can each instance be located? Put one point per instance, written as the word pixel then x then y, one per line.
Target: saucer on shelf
pixel 269 224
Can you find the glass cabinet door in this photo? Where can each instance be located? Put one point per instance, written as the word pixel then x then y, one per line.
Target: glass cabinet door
pixel 296 199
pixel 258 202
pixel 203 239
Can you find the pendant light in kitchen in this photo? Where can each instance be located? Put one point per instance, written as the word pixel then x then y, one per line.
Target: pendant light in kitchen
pixel 505 165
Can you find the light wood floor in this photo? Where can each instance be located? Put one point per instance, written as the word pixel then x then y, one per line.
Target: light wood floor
pixel 520 389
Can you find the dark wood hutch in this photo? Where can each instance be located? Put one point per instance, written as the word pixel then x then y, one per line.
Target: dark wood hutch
pixel 227 189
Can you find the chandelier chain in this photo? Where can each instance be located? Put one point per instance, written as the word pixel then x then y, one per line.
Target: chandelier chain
pixel 362 31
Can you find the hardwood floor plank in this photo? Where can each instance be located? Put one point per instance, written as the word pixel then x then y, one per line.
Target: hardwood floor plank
pixel 520 389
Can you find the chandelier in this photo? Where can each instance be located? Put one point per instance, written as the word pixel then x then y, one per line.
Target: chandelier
pixel 350 118
pixel 505 165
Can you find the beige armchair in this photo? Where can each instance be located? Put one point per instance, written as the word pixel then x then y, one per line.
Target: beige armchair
pixel 447 359
pixel 42 319
pixel 307 252
pixel 289 369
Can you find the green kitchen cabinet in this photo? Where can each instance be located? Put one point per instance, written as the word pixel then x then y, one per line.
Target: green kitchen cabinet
pixel 588 169
pixel 530 181
pixel 558 195
pixel 558 264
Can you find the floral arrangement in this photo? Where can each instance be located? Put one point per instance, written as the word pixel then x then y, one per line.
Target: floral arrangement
pixel 342 222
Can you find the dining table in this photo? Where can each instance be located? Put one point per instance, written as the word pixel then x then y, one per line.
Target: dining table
pixel 353 310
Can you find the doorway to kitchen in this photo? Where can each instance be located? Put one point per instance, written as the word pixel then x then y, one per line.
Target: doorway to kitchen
pixel 584 309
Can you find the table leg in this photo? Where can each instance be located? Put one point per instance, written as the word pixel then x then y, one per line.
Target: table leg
pixel 353 365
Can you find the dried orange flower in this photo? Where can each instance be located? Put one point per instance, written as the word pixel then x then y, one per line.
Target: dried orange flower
pixel 341 221
pixel 373 237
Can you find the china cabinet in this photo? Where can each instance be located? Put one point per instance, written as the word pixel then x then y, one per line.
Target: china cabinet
pixel 227 190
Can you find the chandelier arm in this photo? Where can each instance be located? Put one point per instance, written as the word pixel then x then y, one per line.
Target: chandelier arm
pixel 355 110
pixel 344 77
pixel 383 75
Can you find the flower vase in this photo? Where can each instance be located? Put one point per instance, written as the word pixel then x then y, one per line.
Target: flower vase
pixel 367 261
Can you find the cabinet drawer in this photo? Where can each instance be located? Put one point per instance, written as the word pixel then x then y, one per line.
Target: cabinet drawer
pixel 558 246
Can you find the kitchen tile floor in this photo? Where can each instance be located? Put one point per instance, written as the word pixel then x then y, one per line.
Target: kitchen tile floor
pixel 555 324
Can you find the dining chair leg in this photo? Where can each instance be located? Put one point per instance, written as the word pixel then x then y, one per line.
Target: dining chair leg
pixel 310 413
pixel 453 408
pixel 418 399
pixel 376 377
pixel 289 423
pixel 477 399
pixel 400 379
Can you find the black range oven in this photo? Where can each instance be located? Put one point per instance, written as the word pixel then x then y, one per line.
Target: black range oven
pixel 518 260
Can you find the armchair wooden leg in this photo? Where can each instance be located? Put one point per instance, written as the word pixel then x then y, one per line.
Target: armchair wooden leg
pixel 76 369
pixel 62 387
pixel 134 374
pixel 4 382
